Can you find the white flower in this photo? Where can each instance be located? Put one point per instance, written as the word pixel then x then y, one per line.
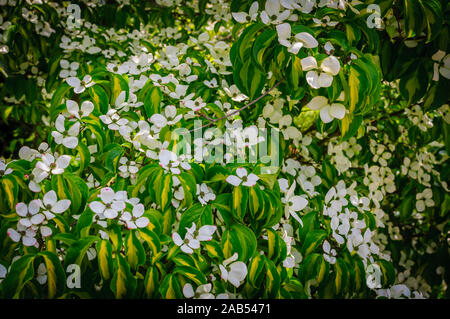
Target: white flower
pixel 205 194
pixel 233 271
pixel 26 234
pixel 126 170
pixel 3 272
pixel 329 254
pixel 243 177
pixel 3 169
pixel 170 117
pixel 195 105
pixel 49 165
pixel 86 108
pixel 323 77
pixel 122 104
pixel 273 13
pixel 234 93
pixel 424 200
pixel 68 69
pixel 41 274
pixel 169 161
pixel 111 204
pixel 328 111
pixel 52 206
pixel 361 203
pixel 441 65
pixel 30 214
pixel 294 203
pixel 202 291
pixel 295 43
pixel 135 219
pixel 243 17
pixel 188 244
pixel 67 138
pixel 204 233
pixel 80 85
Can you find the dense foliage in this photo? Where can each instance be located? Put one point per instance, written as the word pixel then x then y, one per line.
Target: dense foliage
pixel 130 169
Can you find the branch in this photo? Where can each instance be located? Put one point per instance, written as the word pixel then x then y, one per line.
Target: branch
pixel 238 110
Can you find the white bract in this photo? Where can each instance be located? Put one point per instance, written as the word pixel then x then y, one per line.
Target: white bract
pixel 68 69
pixel 243 17
pixel 67 138
pixel 205 194
pixel 296 42
pixel 441 65
pixel 233 271
pixel 135 219
pixel 202 291
pixel 49 165
pixel 274 13
pixel 294 203
pixel 318 77
pixel 74 109
pixel 328 110
pixel 170 117
pixel 51 205
pixel 243 177
pixel 111 203
pixel 79 86
pixel 188 244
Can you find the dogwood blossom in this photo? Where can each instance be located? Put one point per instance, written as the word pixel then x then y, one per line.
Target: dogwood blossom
pixel 243 177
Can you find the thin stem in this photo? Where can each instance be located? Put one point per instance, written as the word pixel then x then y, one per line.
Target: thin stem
pixel 212 121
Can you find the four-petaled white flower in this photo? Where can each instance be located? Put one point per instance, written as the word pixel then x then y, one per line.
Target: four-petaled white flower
pixel 296 42
pixel 3 169
pixel 243 17
pixel 67 138
pixel 202 291
pixel 52 205
pixel 86 108
pixel 441 65
pixel 26 234
pixel 170 117
pixel 318 77
pixel 188 244
pixel 328 111
pixel 111 204
pixel 233 271
pixel 30 214
pixel 68 69
pixel 243 177
pixel 80 85
pixel 169 161
pixel 205 194
pixel 294 203
pixel 234 93
pixel 135 219
pixel 49 165
pixel 274 13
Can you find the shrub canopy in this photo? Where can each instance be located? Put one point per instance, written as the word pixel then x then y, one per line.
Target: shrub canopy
pixel 212 148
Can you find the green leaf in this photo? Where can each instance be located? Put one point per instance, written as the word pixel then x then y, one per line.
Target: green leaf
pixel 20 273
pixel 77 250
pixel 171 287
pixel 197 214
pixel 312 241
pixel 105 259
pixel 152 239
pixel 56 277
pixel 123 283
pixel 192 274
pixel 239 203
pixel 134 250
pixel 152 102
